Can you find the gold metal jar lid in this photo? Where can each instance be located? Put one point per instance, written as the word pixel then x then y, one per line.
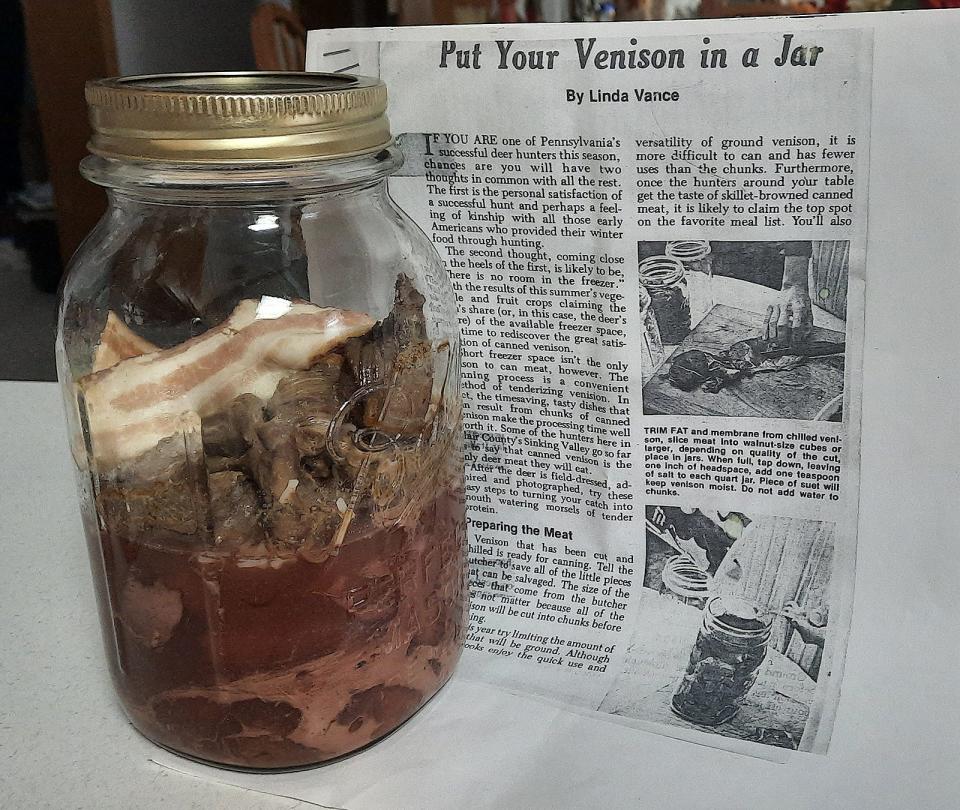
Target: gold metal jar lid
pixel 237 117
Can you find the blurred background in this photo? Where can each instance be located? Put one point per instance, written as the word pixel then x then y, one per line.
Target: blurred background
pixel 51 47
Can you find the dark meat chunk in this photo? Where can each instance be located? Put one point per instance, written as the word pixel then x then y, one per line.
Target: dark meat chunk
pixel 409 323
pixel 307 512
pixel 691 369
pixel 696 368
pixel 252 730
pixel 303 407
pixel 162 494
pixel 384 706
pixel 304 394
pixel 269 463
pixel 274 459
pixel 237 519
pixel 398 354
pixel 221 436
pixel 265 450
pixel 311 440
pixel 229 434
pixel 246 414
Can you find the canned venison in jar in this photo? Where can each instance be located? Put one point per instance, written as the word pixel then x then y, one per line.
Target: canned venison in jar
pixel 259 358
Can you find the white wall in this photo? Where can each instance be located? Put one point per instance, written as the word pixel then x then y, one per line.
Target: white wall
pixel 164 36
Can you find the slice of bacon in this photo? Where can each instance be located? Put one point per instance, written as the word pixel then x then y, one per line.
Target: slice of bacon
pixel 118 342
pixel 139 401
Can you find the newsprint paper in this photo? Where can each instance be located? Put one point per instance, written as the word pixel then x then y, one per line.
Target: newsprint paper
pixel 658 242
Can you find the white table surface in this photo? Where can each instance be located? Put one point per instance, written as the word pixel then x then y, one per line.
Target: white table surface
pixel 65 744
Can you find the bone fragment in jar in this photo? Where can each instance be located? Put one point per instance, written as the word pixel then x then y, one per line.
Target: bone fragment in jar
pixel 136 403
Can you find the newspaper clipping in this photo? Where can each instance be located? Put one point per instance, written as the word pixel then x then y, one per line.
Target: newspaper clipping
pixel 658 246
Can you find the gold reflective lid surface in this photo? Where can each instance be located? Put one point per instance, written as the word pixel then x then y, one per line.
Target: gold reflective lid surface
pixel 237 117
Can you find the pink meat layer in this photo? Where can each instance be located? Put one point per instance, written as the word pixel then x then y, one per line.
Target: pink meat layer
pixel 278 662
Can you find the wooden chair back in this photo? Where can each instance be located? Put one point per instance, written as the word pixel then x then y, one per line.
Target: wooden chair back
pixel 754 8
pixel 279 38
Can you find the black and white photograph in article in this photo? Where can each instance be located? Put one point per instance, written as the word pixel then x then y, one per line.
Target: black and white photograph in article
pixel 744 328
pixel 731 626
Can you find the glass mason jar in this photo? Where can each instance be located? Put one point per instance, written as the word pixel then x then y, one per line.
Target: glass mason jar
pixel 666 282
pixel 260 363
pixel 651 346
pixel 697 259
pixel 724 662
pixel 682 577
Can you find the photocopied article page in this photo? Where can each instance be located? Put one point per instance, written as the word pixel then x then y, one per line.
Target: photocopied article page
pixel 685 254
pixel 658 244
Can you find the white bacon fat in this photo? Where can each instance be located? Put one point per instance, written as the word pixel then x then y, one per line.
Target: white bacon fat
pixel 134 404
pixel 118 342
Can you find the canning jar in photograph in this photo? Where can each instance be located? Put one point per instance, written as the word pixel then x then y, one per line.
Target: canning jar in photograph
pixel 724 661
pixel 665 281
pixel 651 346
pixel 697 260
pixel 258 353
